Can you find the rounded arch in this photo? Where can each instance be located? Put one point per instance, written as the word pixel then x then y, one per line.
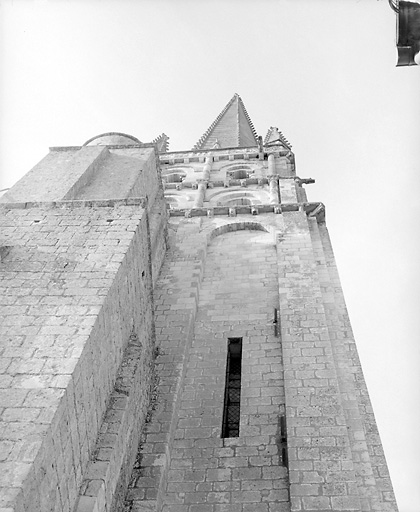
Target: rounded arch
pixel 176 173
pixel 238 171
pixel 237 167
pixel 239 174
pixel 172 200
pixel 235 226
pixel 177 168
pixel 173 176
pixel 111 138
pixel 239 196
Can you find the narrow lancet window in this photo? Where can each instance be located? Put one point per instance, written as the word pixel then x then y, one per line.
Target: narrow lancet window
pixel 283 441
pixel 231 412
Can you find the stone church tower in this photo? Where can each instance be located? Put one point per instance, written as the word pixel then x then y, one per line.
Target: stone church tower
pixel 174 335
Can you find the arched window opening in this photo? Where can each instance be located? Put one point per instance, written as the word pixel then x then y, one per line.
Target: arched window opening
pixel 174 178
pixel 238 202
pixel 172 201
pixel 238 199
pixel 239 175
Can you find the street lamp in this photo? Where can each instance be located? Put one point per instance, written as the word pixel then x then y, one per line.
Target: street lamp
pixel 408 31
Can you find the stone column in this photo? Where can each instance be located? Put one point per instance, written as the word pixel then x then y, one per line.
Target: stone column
pixel 201 192
pixel 271 164
pixel 207 168
pixel 202 184
pixel 274 189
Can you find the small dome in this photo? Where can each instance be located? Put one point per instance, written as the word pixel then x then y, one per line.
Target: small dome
pixel 112 138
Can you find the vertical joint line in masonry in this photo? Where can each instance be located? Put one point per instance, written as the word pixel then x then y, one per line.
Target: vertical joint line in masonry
pixel 231 409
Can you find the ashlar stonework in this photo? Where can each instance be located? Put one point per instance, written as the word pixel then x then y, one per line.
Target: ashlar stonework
pixel 151 298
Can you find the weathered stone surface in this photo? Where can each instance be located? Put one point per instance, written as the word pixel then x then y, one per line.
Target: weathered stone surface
pixel 113 354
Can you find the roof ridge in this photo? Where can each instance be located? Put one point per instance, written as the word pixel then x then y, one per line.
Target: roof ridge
pixel 251 124
pixel 206 134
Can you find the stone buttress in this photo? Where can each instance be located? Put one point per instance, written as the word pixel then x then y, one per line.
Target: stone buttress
pixel 80 254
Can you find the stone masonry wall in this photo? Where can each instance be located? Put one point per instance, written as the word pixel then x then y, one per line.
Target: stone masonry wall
pixel 175 295
pixel 57 174
pixel 122 173
pixel 75 285
pixel 77 352
pixel 174 452
pixel 344 367
pixel 223 277
pixel 322 473
pixel 237 299
pixel 372 475
pixel 90 173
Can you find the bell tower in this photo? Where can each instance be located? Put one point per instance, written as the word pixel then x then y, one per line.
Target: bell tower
pixel 267 402
pixel 174 335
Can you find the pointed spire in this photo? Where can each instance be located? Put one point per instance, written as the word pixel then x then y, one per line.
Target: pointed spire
pixel 232 128
pixel 274 136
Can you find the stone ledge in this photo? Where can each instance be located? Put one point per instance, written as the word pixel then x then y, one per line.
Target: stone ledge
pixel 110 146
pixel 96 203
pixel 231 182
pixel 313 209
pixel 175 157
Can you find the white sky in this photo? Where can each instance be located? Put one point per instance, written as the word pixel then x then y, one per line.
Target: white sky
pixel 323 71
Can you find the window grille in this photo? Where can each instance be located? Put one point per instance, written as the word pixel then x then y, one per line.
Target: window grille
pixel 283 441
pixel 231 411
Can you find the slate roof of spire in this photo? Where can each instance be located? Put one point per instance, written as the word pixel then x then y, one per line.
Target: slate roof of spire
pixel 232 128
